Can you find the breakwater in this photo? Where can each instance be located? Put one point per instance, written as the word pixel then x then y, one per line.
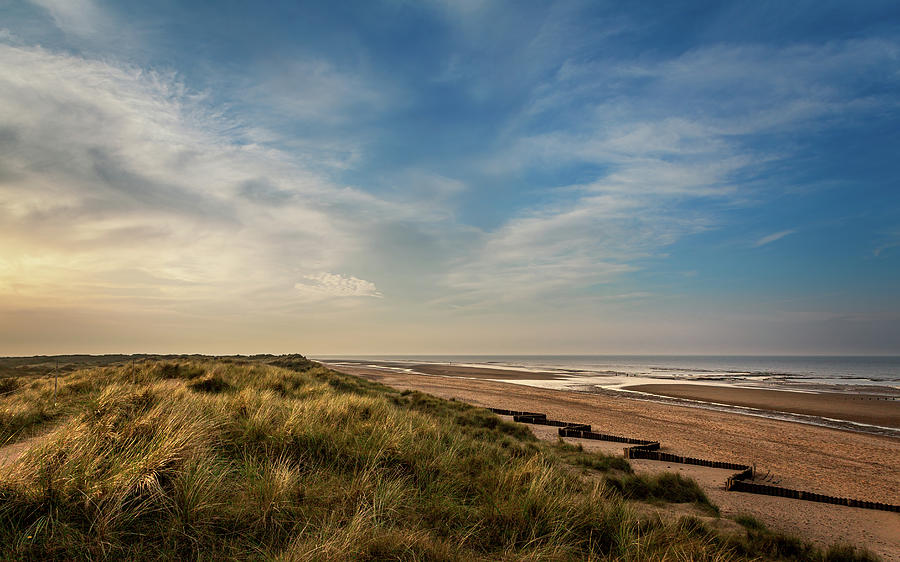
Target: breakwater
pixel 740 481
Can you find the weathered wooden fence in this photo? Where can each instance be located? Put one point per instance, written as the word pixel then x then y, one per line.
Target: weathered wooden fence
pixel 643 449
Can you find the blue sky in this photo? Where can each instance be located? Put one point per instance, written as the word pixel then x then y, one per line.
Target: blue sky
pixel 449 177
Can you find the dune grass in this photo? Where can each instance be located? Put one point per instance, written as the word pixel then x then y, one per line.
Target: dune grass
pixel 665 487
pixel 761 541
pixel 28 405
pixel 282 459
pixel 575 454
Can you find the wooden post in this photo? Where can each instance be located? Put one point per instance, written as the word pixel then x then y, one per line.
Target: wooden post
pixel 55 380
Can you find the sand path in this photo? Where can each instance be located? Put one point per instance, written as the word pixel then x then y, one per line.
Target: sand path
pixel 10 453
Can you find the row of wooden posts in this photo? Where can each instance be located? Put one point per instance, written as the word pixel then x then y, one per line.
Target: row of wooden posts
pixel 644 449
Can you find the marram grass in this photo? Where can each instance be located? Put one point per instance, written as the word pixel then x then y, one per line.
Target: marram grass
pixel 283 459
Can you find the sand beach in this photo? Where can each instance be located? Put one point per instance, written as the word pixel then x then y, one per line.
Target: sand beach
pixel 803 456
pixel 864 408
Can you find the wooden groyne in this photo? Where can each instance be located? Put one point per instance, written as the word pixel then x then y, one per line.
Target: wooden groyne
pixel 644 449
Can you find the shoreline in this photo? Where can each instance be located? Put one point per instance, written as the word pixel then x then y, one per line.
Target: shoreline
pixel 871 410
pixel 668 421
pixel 786 453
pixel 861 408
pixel 450 370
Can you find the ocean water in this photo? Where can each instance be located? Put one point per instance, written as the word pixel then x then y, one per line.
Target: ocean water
pixel 751 370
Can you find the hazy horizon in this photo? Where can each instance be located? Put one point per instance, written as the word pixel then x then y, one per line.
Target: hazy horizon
pixel 450 178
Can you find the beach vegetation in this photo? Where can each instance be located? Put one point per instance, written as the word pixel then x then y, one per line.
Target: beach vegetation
pixel 575 454
pixel 848 553
pixel 750 522
pixel 663 487
pixel 9 385
pixel 771 545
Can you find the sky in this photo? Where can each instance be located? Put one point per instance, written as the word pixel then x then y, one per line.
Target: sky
pixel 437 176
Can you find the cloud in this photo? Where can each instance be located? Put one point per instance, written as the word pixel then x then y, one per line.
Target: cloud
pixel 427 189
pixel 109 158
pixel 672 141
pixel 110 168
pixel 325 285
pixel 890 241
pixel 78 17
pixel 703 104
pixel 595 240
pixel 311 89
pixel 773 237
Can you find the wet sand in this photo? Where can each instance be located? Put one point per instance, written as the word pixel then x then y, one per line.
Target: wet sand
pixel 484 372
pixel 801 456
pixel 448 369
pixel 861 408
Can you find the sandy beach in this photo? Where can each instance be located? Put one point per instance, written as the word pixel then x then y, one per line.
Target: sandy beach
pixel 483 372
pixel 863 408
pixel 819 459
pixel 466 371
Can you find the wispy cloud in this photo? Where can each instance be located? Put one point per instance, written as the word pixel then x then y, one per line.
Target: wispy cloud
pixel 78 17
pixel 890 241
pixel 593 241
pixel 109 168
pixel 315 90
pixel 672 153
pixel 775 236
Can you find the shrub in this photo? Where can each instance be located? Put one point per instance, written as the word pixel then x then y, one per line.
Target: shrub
pixel 667 487
pixel 576 455
pixel 211 384
pixel 846 553
pixel 8 385
pixel 179 371
pixel 750 522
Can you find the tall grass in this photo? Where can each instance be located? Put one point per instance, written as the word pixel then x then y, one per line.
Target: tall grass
pixel 212 459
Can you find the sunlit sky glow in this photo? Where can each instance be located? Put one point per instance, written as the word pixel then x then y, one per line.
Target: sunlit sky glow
pixel 449 177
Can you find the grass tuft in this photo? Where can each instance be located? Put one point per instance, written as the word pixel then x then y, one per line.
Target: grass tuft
pixel 666 487
pixel 846 553
pixel 776 546
pixel 8 385
pixel 211 384
pixel 750 522
pixel 576 455
pixel 180 371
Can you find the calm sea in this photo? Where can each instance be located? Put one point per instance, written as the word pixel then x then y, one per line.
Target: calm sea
pixel 756 370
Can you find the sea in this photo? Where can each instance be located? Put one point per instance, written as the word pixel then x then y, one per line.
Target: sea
pixel 741 370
